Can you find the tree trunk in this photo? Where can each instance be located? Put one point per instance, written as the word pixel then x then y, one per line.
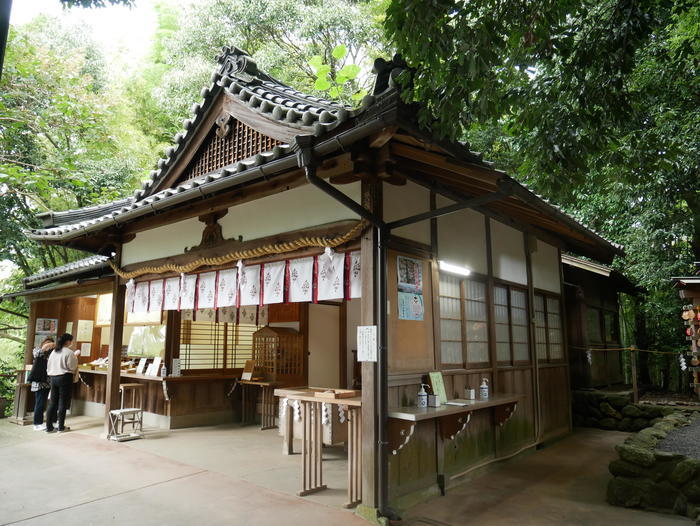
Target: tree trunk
pixel 692 199
pixel 642 340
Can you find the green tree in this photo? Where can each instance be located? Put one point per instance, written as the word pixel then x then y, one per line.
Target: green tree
pixel 295 41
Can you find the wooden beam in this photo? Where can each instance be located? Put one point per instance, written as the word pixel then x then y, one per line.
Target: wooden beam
pixel 84 289
pixel 381 138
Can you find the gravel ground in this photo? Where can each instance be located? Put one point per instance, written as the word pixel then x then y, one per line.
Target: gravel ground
pixel 684 440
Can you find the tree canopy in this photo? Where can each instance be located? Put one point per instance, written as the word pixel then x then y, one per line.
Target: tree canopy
pixel 592 103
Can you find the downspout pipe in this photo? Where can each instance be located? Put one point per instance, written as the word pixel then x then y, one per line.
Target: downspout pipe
pixel 306 160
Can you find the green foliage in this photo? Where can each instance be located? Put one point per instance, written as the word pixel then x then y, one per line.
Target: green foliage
pixel 592 103
pixel 66 139
pixel 97 3
pixel 288 39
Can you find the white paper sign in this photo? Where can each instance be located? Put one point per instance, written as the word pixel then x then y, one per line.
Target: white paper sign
pixel 85 349
pixel 84 330
pixel 367 343
pixel 176 367
pixel 141 366
pixel 155 366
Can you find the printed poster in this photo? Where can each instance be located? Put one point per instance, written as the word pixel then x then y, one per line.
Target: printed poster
pixel 410 288
pixel 410 306
pixel 410 274
pixel 46 326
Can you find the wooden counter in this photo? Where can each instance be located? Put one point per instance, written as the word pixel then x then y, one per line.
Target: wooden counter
pixel 417 414
pixel 452 420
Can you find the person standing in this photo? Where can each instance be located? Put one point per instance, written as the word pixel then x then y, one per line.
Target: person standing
pixel 40 381
pixel 62 364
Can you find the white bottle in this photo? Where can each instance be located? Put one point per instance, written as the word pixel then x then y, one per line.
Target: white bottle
pixel 422 398
pixel 163 372
pixel 484 389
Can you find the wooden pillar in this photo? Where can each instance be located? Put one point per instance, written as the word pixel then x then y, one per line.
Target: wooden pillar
pixel 115 348
pixel 530 246
pixel 490 306
pixel 371 200
pixel 19 410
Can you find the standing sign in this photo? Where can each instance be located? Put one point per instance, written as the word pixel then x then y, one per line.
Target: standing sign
pixel 410 286
pixel 367 343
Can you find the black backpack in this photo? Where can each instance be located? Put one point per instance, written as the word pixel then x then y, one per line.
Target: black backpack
pixel 38 372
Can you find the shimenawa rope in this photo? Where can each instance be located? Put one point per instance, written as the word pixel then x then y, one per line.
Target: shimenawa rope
pixel 265 250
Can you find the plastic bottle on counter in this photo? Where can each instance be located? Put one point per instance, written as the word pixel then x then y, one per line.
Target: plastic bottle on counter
pixel 422 398
pixel 484 389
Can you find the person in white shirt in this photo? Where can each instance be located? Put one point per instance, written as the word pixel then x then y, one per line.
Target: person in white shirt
pixel 61 366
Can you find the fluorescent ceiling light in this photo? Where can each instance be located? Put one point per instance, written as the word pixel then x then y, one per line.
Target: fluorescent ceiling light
pixel 454 269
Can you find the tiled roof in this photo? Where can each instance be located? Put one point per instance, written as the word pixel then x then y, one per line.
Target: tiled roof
pixel 239 76
pixel 74 267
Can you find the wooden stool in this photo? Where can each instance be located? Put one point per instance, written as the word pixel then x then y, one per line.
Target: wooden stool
pixel 131 392
pixel 131 415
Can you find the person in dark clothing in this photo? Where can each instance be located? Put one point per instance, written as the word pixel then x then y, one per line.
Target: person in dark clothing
pixel 40 381
pixel 62 364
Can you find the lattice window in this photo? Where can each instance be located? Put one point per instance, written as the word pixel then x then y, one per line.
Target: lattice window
pixel 210 345
pixel 239 143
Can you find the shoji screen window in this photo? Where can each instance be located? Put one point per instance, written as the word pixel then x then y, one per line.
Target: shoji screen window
pixel 463 321
pixel 548 335
pixel 451 341
pixel 510 310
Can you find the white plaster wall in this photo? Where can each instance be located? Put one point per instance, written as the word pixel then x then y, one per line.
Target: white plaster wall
pixel 324 345
pixel 285 211
pixel 462 238
pixel 302 207
pixel 405 201
pixel 508 249
pixel 163 241
pixel 545 267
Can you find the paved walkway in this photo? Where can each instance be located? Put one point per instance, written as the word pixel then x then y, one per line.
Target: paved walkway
pixel 79 478
pixel 228 475
pixel 563 484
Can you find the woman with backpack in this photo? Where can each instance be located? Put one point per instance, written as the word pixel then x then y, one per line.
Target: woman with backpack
pixel 61 366
pixel 40 381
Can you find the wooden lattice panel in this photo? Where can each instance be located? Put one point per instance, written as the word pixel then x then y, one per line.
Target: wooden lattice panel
pixel 279 355
pixel 239 143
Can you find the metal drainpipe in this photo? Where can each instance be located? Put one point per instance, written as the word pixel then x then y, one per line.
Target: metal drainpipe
pixel 306 160
pixel 382 239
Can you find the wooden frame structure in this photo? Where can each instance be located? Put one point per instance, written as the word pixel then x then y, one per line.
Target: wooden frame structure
pixel 410 195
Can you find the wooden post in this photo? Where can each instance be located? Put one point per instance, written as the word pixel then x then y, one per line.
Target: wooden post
pixel 371 200
pixel 115 349
pixel 19 411
pixel 633 361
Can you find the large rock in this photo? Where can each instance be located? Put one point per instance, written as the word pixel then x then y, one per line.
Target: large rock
pixel 683 471
pixel 618 401
pixel 680 507
pixel 632 411
pixel 625 424
pixel 620 468
pixel 610 411
pixel 692 491
pixel 662 496
pixel 608 423
pixel 639 423
pixel 594 412
pixel 628 492
pixel 636 455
